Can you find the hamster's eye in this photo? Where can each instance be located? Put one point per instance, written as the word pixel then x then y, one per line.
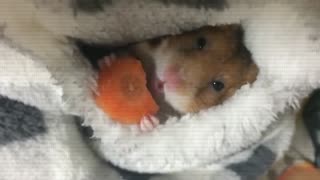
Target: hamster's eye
pixel 201 43
pixel 217 85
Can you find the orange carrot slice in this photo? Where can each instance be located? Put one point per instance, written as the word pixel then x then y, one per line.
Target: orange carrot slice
pixel 122 91
pixel 300 171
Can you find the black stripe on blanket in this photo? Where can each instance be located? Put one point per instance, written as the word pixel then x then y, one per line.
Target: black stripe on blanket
pixel 208 4
pixel 2 28
pixel 251 169
pixel 19 121
pixel 90 5
pixel 97 5
pixel 130 175
pixel 257 164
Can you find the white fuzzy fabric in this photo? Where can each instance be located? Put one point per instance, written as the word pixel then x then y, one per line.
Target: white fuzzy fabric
pixel 25 80
pixel 281 35
pixel 58 154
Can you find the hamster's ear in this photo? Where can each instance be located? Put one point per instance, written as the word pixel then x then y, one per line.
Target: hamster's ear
pixel 252 73
pixel 236 31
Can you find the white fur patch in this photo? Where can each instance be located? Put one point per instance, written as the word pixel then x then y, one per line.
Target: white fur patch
pixel 162 60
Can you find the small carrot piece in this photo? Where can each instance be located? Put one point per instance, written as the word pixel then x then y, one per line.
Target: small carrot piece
pixel 301 171
pixel 122 91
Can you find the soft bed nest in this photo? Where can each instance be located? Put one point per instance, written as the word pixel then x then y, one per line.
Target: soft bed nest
pixel 283 37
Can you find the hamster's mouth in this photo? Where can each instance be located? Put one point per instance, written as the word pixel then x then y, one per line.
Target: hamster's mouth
pixel 157 85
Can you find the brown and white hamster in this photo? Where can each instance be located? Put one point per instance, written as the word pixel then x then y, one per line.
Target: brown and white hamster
pixel 195 70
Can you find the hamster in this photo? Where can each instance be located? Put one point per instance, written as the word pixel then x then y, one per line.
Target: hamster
pixel 194 70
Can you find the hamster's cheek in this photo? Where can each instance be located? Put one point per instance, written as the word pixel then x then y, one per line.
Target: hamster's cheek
pixel 178 100
pixel 204 100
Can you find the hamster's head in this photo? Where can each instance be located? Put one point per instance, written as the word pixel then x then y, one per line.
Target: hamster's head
pixel 201 68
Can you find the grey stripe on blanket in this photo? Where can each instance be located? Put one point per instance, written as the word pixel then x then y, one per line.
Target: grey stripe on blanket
pixel 256 165
pixel 97 5
pixel 19 121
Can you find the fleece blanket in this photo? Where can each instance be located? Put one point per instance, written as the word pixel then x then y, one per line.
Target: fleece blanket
pixel 239 139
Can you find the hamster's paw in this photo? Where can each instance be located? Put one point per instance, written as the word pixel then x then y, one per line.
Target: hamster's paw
pixel 148 123
pixel 107 61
